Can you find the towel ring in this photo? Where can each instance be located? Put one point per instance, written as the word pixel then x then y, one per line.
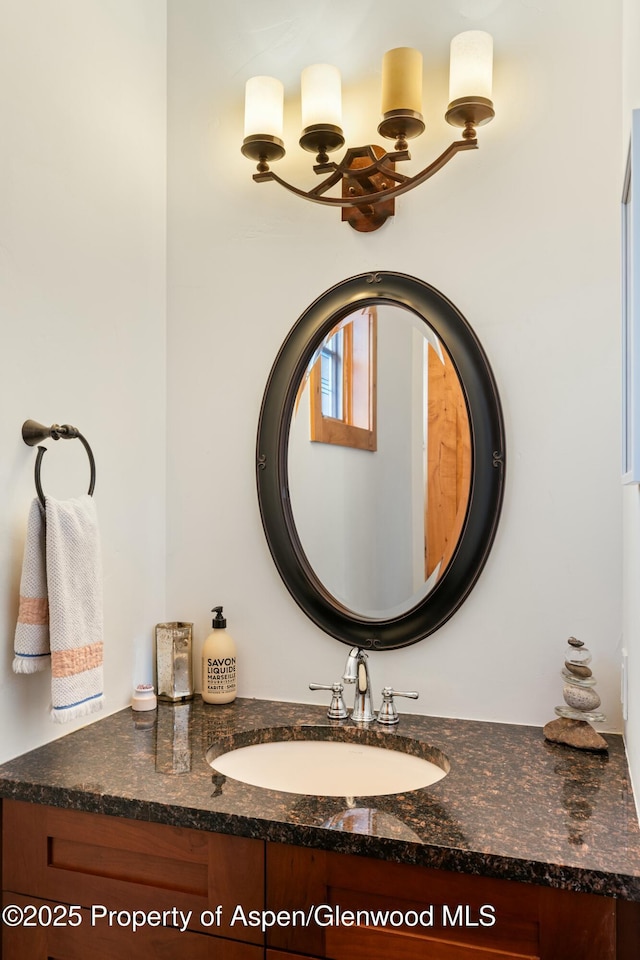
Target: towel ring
pixel 33 432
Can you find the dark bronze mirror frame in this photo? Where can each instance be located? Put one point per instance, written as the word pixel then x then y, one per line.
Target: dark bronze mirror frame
pixel 487 471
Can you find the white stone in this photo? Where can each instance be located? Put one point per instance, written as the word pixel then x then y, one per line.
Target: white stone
pixel 580 698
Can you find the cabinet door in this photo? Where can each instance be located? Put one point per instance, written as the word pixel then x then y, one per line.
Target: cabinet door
pixel 89 859
pixel 408 913
pixel 104 942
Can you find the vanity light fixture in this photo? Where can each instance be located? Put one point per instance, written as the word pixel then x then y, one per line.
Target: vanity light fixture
pixel 370 182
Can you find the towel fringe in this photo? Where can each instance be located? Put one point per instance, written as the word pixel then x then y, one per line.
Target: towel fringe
pixel 80 710
pixel 35 665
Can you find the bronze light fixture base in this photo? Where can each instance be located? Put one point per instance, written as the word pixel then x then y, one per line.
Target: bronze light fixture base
pixel 469 112
pixel 322 139
pixel 401 125
pixel 263 148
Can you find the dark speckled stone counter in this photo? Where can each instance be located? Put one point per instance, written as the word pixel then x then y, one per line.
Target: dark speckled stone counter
pixel 512 805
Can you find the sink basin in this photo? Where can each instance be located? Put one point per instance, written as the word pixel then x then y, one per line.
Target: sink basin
pixel 352 763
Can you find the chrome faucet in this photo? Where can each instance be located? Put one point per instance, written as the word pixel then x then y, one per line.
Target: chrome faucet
pixel 357 671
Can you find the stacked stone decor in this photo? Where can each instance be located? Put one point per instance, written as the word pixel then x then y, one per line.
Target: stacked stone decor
pixel 581 703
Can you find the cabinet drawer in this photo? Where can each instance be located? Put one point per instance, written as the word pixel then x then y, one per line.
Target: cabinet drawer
pixel 456 911
pixel 103 942
pixel 89 859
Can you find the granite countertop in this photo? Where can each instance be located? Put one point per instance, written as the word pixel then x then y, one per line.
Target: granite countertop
pixel 512 805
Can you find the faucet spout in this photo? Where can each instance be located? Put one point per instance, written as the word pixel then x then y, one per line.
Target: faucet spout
pixel 351 666
pixel 357 672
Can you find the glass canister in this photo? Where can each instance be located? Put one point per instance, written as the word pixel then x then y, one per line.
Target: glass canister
pixel 174 661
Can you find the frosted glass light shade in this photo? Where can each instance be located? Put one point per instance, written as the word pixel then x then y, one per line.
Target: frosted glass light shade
pixel 471 66
pixel 321 93
pixel 263 107
pixel 402 80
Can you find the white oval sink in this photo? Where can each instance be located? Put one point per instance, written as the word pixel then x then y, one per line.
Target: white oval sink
pixel 329 768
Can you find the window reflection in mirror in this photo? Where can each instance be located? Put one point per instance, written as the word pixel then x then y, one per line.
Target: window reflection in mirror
pixel 379 519
pixel 343 384
pixel 331 370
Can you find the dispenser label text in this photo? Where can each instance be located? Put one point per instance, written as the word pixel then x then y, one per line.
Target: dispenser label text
pixel 221 674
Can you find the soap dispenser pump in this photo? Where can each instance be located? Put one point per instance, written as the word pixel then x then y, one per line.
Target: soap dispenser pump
pixel 219 683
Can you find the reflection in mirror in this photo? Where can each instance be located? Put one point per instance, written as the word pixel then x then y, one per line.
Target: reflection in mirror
pixel 379 461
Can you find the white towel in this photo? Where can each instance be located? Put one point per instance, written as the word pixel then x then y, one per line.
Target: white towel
pixel 74 587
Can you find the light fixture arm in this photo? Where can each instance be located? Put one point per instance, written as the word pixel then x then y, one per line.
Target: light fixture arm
pixel 379 166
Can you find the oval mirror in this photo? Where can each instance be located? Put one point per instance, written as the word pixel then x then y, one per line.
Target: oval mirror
pixel 380 460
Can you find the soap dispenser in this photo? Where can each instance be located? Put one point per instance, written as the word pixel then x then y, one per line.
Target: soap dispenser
pixel 219 663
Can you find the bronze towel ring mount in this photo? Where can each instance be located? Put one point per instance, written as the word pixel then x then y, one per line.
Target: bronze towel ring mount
pixel 34 433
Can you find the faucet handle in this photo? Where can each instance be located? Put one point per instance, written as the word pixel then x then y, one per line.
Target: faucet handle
pixel 337 708
pixel 388 713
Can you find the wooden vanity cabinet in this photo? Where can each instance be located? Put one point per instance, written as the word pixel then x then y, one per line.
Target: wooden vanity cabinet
pixel 531 922
pixel 53 858
pixel 84 942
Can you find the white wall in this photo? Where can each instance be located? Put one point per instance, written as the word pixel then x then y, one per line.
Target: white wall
pixel 82 308
pixel 523 236
pixel 631 494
